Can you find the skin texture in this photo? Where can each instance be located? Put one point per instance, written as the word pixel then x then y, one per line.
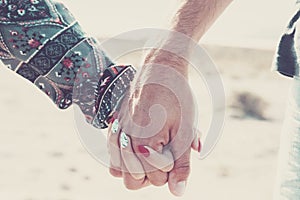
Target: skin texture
pixel 172 143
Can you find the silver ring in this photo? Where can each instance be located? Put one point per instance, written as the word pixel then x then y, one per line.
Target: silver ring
pixel 123 140
pixel 115 126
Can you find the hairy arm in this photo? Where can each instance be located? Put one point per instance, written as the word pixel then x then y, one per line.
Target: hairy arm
pixel 170 91
pixel 193 19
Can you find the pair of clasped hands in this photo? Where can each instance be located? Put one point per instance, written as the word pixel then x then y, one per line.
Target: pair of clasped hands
pixel 151 135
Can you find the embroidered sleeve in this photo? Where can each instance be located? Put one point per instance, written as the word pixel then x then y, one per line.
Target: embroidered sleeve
pixel 42 42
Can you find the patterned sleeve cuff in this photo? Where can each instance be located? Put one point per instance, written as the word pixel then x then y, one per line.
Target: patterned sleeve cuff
pixel 110 92
pixel 41 41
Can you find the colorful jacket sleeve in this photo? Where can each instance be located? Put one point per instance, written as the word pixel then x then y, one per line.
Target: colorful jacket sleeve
pixel 41 41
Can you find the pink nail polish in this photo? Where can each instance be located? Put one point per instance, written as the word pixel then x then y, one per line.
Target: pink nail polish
pixel 144 151
pixel 199 146
pixel 113 118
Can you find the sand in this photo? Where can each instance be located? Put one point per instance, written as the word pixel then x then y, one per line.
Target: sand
pixel 42 158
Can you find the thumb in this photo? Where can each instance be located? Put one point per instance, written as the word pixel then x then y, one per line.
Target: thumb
pixel 179 174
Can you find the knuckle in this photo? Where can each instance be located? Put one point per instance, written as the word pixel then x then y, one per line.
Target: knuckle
pixel 157 178
pixel 183 170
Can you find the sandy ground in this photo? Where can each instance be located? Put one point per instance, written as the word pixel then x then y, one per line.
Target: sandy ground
pixel 41 157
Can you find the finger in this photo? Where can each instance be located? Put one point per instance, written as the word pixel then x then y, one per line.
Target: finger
pixel 114 150
pixel 157 177
pixel 180 145
pixel 179 174
pixel 116 173
pixel 196 144
pixel 132 163
pixel 162 161
pixel 132 183
pixel 156 165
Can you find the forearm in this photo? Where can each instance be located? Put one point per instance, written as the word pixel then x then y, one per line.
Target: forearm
pixel 195 17
pixel 190 23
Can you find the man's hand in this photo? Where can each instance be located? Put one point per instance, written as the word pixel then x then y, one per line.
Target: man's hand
pixel 158 118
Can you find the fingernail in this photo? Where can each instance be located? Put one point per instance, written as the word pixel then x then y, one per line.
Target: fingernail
pixel 143 150
pixel 196 144
pixel 115 126
pixel 113 117
pixel 199 146
pixel 138 176
pixel 180 188
pixel 111 120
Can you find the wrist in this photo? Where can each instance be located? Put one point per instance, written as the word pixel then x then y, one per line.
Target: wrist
pixel 171 49
pixel 167 59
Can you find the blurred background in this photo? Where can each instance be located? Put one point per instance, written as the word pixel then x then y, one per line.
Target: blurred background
pixel 40 152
